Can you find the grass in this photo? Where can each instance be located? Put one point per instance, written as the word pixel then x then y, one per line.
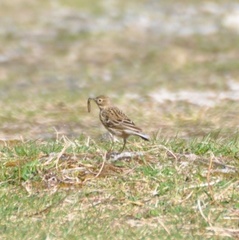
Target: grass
pixel 66 189
pixel 57 180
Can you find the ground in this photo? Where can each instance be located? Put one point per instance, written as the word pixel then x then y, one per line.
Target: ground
pixel 171 67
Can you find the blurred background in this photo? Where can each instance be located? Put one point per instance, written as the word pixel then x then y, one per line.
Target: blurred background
pixel 172 66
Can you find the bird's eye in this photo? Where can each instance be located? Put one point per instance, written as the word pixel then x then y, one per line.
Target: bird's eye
pixel 100 100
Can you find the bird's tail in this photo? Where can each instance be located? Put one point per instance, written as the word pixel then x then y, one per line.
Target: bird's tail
pixel 143 136
pixel 133 130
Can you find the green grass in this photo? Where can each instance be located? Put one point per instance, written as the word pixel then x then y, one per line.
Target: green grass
pixel 66 189
pixel 56 178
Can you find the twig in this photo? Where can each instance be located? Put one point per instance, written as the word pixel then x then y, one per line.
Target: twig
pixel 165 228
pixel 209 176
pixel 201 212
pixel 61 153
pixel 102 166
pixel 162 146
pixel 204 184
pixel 176 158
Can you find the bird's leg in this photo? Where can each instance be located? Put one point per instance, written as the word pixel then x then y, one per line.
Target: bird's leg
pixel 123 146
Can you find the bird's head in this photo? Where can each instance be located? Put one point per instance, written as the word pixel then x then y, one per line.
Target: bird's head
pixel 102 102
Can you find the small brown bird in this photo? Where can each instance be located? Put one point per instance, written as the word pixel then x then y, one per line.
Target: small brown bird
pixel 115 121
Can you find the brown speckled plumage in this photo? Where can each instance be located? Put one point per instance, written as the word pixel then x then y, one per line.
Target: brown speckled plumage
pixel 115 121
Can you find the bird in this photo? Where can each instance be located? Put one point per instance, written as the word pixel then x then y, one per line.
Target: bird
pixel 115 121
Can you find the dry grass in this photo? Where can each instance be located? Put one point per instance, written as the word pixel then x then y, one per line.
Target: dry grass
pixel 169 192
pixel 174 72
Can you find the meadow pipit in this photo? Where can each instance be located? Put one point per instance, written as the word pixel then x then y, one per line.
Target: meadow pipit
pixel 115 121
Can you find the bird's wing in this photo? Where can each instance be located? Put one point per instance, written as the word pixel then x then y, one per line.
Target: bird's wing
pixel 116 119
